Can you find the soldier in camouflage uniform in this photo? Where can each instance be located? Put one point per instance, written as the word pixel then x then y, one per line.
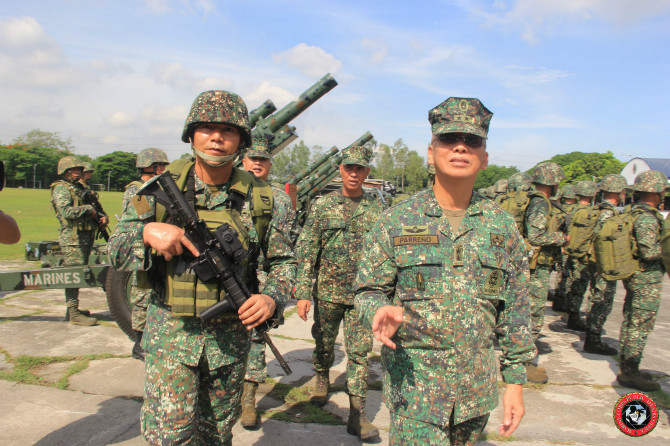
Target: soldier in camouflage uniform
pixel 149 163
pixel 519 181
pixel 194 372
pixel 643 289
pixel 87 173
pixel 78 225
pixel 580 269
pixel 560 298
pixel 445 271
pixel 258 161
pixel 545 239
pixel 613 188
pixel 329 246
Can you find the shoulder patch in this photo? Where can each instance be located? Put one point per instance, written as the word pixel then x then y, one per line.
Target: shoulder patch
pixel 141 204
pixel 497 240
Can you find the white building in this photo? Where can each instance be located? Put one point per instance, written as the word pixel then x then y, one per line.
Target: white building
pixel 637 165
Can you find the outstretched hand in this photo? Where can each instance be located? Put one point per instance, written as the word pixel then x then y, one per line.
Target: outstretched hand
pixel 386 322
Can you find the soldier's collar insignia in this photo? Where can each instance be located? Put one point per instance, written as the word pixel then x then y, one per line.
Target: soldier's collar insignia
pixel 497 240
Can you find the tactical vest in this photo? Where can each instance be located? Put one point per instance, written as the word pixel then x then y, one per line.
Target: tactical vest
pixel 84 223
pixel 580 244
pixel 615 247
pixel 515 203
pixel 543 255
pixel 183 293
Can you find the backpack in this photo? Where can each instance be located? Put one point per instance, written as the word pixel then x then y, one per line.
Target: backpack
pixel 515 203
pixel 582 223
pixel 615 248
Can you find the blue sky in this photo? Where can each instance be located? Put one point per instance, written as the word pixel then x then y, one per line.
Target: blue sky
pixel 559 75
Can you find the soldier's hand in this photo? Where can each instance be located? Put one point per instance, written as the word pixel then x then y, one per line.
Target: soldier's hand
pixel 386 322
pixel 513 409
pixel 104 221
pixel 256 310
pixel 168 240
pixel 303 306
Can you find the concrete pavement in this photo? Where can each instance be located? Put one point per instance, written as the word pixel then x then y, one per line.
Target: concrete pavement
pixel 87 390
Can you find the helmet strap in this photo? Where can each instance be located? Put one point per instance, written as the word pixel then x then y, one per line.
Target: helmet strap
pixel 213 160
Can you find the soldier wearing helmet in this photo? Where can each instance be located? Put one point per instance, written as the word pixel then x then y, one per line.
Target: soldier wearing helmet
pixel 87 173
pixel 150 162
pixel 78 225
pixel 203 365
pixel 519 181
pixel 613 187
pixel 568 202
pixel 545 238
pixel 643 288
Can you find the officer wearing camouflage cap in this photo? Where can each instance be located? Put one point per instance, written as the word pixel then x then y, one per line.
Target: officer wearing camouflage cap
pixel 149 163
pixel 613 187
pixel 436 270
pixel 78 225
pixel 329 246
pixel 541 227
pixel 194 372
pixel 258 161
pixel 643 288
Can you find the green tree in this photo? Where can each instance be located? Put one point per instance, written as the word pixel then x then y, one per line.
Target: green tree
pixel 40 138
pixel 580 166
pixel 30 166
pixel 383 167
pixel 115 170
pixel 400 153
pixel 493 173
pixel 416 173
pixel 289 162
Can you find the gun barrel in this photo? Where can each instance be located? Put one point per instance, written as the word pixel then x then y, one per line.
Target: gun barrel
pixel 262 111
pixel 282 138
pixel 315 165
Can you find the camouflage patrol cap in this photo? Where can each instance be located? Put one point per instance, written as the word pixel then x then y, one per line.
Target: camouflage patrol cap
pixel 651 181
pixel 88 167
pixel 69 162
pixel 569 191
pixel 519 181
pixel 500 186
pixel 218 107
pixel 360 155
pixel 259 149
pixel 613 182
pixel 149 156
pixel 586 188
pixel 549 174
pixel 460 115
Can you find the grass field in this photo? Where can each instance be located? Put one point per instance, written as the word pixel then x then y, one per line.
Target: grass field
pixel 31 208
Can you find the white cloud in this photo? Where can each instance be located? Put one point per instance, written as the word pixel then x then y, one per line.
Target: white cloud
pixel 309 60
pixel 119 119
pixel 378 50
pixel 266 90
pixel 179 77
pixel 167 6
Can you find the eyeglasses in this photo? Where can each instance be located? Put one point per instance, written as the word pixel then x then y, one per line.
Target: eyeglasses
pixel 467 139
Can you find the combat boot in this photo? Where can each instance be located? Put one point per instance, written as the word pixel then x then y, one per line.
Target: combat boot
pixel 138 351
pixel 536 374
pixel 249 418
pixel 630 376
pixel 575 323
pixel 76 317
pixel 321 389
pixel 358 423
pixel 594 344
pixel 84 312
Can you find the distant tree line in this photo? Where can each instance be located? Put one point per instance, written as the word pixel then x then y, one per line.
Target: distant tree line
pixel 31 160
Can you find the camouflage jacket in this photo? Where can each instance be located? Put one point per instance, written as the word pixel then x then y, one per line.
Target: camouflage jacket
pixel 647 230
pixel 458 289
pixel 71 213
pixel 607 211
pixel 330 245
pixel 541 226
pixel 185 339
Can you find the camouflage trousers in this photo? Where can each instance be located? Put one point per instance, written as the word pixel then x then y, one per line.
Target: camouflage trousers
pixel 538 288
pixel 602 299
pixel 582 277
pixel 140 298
pixel 257 370
pixel 643 299
pixel 357 343
pixel 409 431
pixel 561 279
pixel 190 405
pixel 76 250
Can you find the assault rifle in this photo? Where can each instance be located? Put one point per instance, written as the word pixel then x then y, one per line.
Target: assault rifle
pixel 87 197
pixel 220 252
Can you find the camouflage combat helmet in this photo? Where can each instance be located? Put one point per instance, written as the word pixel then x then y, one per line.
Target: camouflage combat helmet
pixel 651 181
pixel 519 181
pixel 586 188
pixel 613 183
pixel 569 191
pixel 149 156
pixel 221 107
pixel 500 186
pixel 88 167
pixel 68 162
pixel 549 174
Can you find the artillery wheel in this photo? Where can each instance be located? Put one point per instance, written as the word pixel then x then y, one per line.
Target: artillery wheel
pixel 117 286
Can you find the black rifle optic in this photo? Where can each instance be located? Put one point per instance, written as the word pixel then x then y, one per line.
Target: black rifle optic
pixel 87 197
pixel 219 253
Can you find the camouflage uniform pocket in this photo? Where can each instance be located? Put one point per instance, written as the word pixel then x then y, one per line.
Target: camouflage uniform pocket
pixel 420 281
